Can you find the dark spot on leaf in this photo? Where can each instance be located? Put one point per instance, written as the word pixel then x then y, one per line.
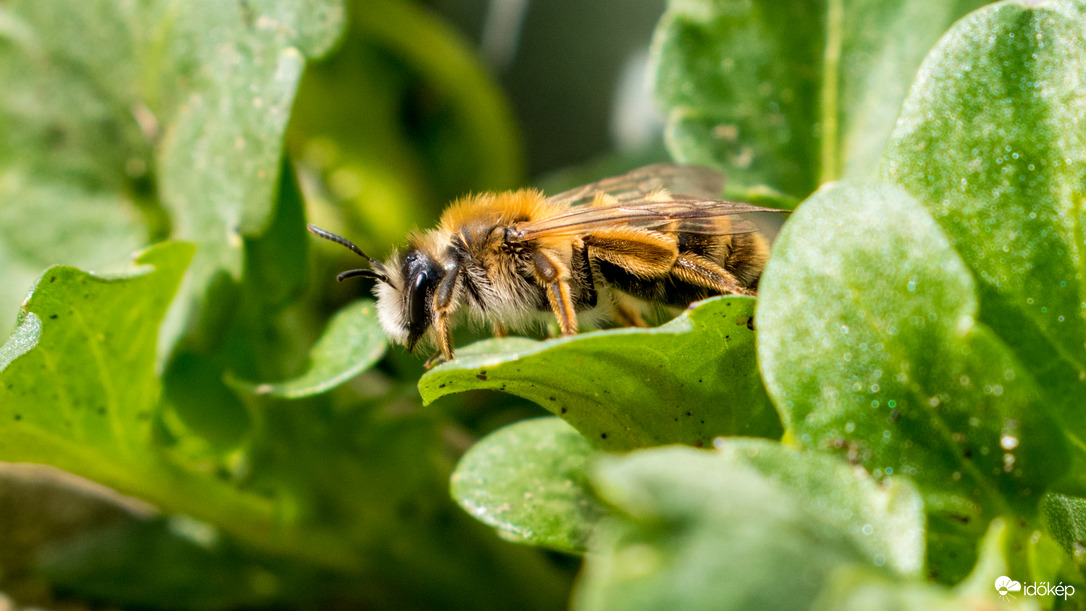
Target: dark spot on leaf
pixel 18 417
pixel 750 323
pixel 481 377
pixel 603 435
pixel 52 317
pixel 895 414
pixel 699 380
pixel 968 453
pixel 551 399
pixel 52 279
pixel 956 518
pixel 699 444
pixel 689 414
pixel 441 386
pixel 563 410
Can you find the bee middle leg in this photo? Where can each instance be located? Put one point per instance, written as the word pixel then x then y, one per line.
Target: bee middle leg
pixel 699 271
pixel 627 316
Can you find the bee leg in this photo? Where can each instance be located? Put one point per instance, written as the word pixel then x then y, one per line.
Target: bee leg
pixel 628 317
pixel 435 360
pixel 699 271
pixel 499 329
pixel 553 276
pixel 444 335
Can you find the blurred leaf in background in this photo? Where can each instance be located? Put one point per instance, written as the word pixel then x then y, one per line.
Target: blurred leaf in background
pixel 786 96
pixel 126 124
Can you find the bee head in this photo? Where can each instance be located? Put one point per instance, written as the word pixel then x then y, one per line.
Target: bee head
pixel 404 289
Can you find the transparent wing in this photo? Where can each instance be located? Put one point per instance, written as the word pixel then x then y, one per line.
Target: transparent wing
pixel 688 181
pixel 693 215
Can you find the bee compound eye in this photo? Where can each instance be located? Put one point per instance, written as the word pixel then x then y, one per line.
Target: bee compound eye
pixel 421 274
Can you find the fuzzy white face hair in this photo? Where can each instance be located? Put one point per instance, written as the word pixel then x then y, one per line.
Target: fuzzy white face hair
pixel 391 309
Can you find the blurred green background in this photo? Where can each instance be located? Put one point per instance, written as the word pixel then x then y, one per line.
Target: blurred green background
pixel 415 104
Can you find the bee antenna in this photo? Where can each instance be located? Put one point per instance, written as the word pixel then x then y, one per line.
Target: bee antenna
pixel 362 273
pixel 342 241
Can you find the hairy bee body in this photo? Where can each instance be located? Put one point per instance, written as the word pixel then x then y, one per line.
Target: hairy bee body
pixel 605 252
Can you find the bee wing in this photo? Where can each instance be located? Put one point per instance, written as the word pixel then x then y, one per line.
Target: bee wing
pixel 691 181
pixel 695 215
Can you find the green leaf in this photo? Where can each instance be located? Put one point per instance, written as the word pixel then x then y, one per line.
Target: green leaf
pixel 351 343
pixel 79 391
pixel 870 345
pixel 845 498
pixel 790 94
pixel 87 384
pixel 988 142
pixel 687 381
pixel 695 529
pixel 529 481
pixel 165 117
pixel 1065 518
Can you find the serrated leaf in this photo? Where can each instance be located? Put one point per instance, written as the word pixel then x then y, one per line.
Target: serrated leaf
pixel 790 94
pixel 988 142
pixel 351 343
pixel 84 396
pixel 696 529
pixel 687 381
pixel 529 480
pixel 870 345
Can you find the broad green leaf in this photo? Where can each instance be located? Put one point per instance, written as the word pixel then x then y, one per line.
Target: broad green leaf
pixel 885 519
pixel 870 345
pixel 687 381
pixel 859 589
pixel 529 480
pixel 133 121
pixel 790 94
pixel 990 142
pixel 1065 519
pixel 79 391
pixel 351 343
pixel 70 163
pixel 695 529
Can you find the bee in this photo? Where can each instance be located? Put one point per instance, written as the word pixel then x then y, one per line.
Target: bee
pixel 608 251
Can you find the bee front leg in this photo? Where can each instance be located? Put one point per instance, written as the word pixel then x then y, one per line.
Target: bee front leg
pixel 443 305
pixel 553 276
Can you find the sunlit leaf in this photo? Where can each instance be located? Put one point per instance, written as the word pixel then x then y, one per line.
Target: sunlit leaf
pixel 695 529
pixel 687 381
pixel 351 343
pixel 529 481
pixel 870 346
pixel 790 94
pixel 989 142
